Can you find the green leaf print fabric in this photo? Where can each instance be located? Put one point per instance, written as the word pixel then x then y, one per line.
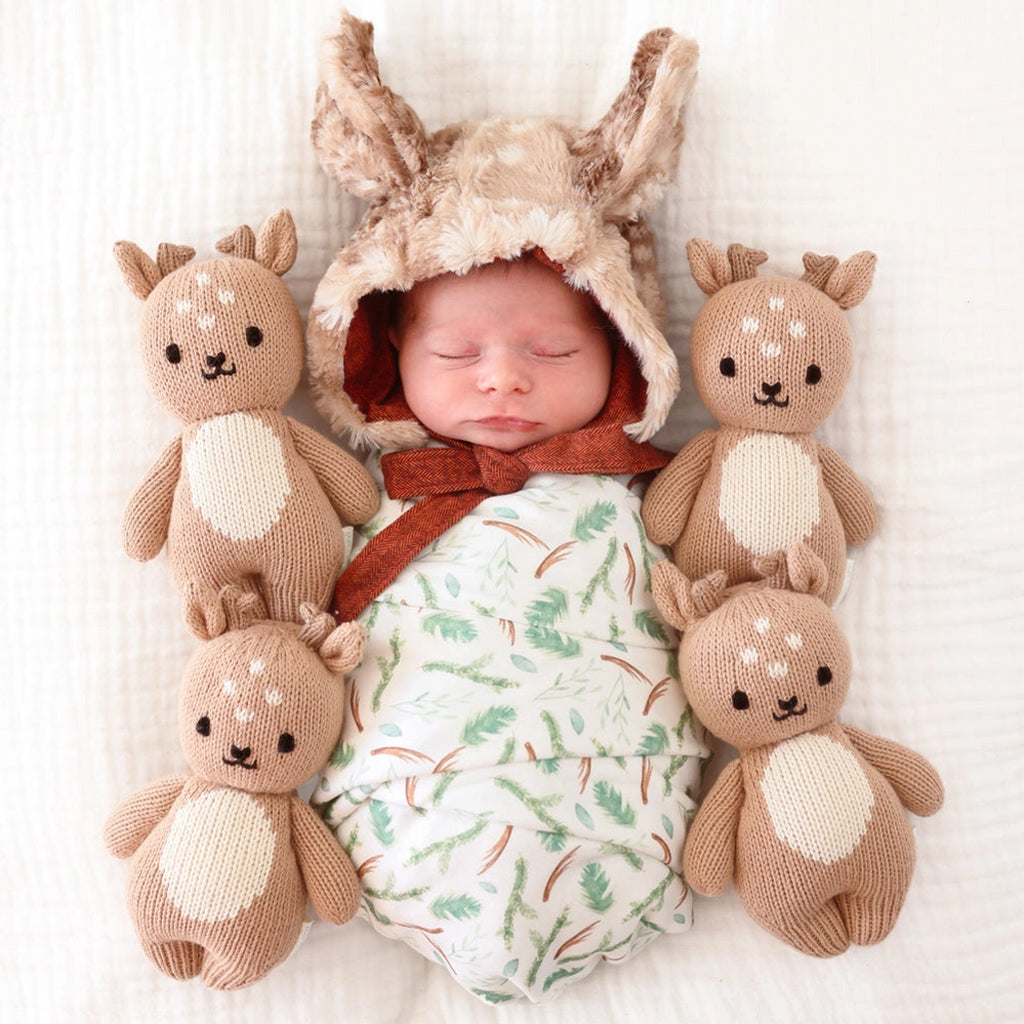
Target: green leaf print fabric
pixel 519 765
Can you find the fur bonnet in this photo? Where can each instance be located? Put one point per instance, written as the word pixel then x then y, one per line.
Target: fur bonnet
pixel 475 192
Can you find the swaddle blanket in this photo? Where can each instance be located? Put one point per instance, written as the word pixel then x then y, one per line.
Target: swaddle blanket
pixel 518 764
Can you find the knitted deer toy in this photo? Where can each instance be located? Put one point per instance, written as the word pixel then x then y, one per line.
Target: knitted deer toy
pixel 771 358
pixel 808 823
pixel 245 494
pixel 224 857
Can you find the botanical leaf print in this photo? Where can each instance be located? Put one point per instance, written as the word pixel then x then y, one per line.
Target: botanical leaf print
pixel 386 667
pixel 473 672
pixel 594 520
pixel 595 887
pixel 487 723
pixel 457 908
pixel 449 626
pixel 600 578
pixel 655 740
pixel 649 624
pixel 610 800
pixel 380 822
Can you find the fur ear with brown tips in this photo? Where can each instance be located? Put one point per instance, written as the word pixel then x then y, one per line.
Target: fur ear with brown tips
pixel 630 153
pixel 368 139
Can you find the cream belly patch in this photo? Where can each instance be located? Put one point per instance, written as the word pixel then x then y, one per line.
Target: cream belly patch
pixel 818 798
pixel 238 476
pixel 218 855
pixel 785 482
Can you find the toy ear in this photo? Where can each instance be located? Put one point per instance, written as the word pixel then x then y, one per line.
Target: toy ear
pixel 276 244
pixel 140 273
pixel 317 625
pixel 713 269
pixel 241 243
pixel 209 614
pixel 368 139
pixel 630 153
pixel 846 283
pixel 682 602
pixel 343 648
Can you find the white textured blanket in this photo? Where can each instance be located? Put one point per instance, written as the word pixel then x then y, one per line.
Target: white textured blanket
pixel 831 127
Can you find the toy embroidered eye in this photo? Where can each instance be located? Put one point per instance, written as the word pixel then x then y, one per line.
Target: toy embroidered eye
pixel 253 337
pixel 285 743
pixel 727 367
pixel 824 675
pixel 813 374
pixel 203 726
pixel 740 701
pixel 173 354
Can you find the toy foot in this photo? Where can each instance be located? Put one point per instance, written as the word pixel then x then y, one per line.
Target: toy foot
pixel 822 933
pixel 179 959
pixel 222 973
pixel 869 919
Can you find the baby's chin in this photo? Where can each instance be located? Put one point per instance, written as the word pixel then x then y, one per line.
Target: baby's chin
pixel 505 433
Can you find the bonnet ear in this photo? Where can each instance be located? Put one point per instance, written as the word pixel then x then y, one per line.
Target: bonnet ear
pixel 846 283
pixel 682 602
pixel 628 156
pixel 141 273
pixel 368 139
pixel 209 614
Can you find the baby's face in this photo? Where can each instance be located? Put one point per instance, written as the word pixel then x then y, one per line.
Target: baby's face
pixel 504 356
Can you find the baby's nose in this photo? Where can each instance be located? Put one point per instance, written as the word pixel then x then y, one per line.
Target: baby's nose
pixel 503 373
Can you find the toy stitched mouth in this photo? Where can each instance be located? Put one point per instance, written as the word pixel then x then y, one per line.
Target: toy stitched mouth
pixel 795 713
pixel 218 371
pixel 772 400
pixel 248 765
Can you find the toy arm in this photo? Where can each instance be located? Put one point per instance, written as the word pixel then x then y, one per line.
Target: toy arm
pixel 912 777
pixel 327 870
pixel 144 526
pixel 709 856
pixel 351 490
pixel 853 500
pixel 136 816
pixel 668 501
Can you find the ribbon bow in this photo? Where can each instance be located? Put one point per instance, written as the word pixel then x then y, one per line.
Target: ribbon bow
pixel 455 479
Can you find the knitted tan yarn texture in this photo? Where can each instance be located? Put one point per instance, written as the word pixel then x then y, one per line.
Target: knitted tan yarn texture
pixel 471 193
pixel 244 494
pixel 808 822
pixel 223 859
pixel 771 358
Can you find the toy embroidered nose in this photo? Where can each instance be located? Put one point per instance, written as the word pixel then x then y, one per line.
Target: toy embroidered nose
pixel 788 705
pixel 216 361
pixel 771 390
pixel 243 753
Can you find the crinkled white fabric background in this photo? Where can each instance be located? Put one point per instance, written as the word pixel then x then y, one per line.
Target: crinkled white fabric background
pixel 833 127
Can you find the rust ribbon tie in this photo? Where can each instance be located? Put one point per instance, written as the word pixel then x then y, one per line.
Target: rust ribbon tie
pixel 454 480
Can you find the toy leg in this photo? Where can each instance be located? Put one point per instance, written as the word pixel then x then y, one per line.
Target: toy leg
pixel 870 916
pixel 220 971
pixel 820 932
pixel 179 959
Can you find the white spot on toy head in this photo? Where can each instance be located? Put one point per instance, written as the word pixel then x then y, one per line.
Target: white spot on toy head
pixel 797 329
pixel 776 302
pixel 748 655
pixel 750 324
pixel 777 670
pixel 227 687
pixel 206 322
pixel 226 296
pixel 795 641
pixel 203 278
pixel 244 715
pixel 770 351
pixel 762 625
pixel 274 697
pixel 184 305
pixel 256 667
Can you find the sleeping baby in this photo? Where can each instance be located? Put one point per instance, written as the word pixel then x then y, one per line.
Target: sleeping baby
pixel 518 765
